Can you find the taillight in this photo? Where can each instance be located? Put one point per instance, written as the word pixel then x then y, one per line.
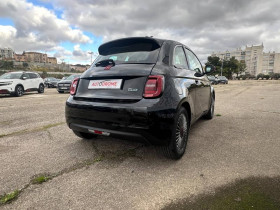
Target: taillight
pixel 74 86
pixel 154 86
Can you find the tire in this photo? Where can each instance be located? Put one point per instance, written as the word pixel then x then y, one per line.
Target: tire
pixel 60 91
pixel 210 114
pixel 19 91
pixel 85 135
pixel 41 88
pixel 180 134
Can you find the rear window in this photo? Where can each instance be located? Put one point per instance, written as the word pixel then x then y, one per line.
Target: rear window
pixel 129 51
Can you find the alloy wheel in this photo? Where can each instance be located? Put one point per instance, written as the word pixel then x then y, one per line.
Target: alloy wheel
pixel 19 91
pixel 181 131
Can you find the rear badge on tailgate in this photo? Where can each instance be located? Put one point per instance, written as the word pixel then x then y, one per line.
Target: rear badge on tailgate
pixel 132 89
pixel 99 132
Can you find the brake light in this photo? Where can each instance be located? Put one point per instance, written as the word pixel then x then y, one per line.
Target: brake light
pixel 74 86
pixel 154 86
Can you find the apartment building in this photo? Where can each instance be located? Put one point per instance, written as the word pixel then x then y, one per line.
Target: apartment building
pixel 34 57
pixel 52 60
pixel 19 57
pixel 6 54
pixel 256 60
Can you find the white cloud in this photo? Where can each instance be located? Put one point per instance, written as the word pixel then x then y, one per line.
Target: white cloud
pixel 205 26
pixel 35 27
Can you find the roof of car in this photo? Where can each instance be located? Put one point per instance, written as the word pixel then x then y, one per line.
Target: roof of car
pixel 102 48
pixel 14 72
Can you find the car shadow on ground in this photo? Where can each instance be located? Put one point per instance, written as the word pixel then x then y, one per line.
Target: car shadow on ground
pixel 11 96
pixel 112 150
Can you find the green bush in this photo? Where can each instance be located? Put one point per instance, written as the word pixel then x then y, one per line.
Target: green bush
pixel 266 76
pixel 244 77
pixel 260 76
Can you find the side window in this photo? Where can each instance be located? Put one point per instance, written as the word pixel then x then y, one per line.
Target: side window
pixel 30 75
pixel 193 61
pixel 33 76
pixel 179 58
pixel 25 75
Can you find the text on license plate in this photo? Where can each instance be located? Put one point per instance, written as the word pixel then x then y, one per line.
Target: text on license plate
pixel 105 84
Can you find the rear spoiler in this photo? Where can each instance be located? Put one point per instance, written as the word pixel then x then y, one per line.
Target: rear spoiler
pixel 130 45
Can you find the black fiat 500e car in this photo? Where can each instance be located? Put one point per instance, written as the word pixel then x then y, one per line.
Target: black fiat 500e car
pixel 142 88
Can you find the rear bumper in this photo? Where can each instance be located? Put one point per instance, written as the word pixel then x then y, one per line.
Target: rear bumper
pixel 136 121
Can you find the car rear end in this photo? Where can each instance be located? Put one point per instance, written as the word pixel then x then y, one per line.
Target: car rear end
pixel 118 95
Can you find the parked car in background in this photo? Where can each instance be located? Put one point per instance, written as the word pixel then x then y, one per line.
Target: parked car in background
pixel 213 80
pixel 142 88
pixel 17 83
pixel 51 82
pixel 64 85
pixel 222 80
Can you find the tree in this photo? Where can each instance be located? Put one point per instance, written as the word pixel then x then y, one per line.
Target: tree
pixel 241 68
pixel 230 66
pixel 25 65
pixel 215 61
pixel 6 64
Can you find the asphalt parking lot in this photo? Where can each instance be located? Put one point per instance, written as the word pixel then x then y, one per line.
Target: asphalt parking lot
pixel 243 140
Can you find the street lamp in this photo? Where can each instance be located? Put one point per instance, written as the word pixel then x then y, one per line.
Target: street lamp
pixel 222 64
pixel 222 67
pixel 62 64
pixel 90 56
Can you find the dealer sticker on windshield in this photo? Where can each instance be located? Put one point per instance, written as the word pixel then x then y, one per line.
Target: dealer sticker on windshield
pixel 105 84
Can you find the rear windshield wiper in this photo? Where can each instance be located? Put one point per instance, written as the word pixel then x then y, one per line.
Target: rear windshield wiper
pixel 106 62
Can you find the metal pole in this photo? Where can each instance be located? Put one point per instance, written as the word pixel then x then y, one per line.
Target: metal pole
pixel 90 56
pixel 222 67
pixel 62 64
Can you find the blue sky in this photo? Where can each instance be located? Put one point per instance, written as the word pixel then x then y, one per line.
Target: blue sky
pixel 6 22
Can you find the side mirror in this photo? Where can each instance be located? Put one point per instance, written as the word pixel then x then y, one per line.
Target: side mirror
pixel 209 69
pixel 24 78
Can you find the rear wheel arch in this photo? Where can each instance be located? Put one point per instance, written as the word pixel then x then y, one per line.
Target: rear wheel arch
pixel 186 106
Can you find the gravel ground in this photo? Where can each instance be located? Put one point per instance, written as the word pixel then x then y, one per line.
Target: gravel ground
pixel 107 173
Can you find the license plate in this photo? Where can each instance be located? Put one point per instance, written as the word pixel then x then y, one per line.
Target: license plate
pixel 105 84
pixel 63 88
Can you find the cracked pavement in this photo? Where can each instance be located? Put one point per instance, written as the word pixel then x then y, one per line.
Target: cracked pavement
pixel 244 141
